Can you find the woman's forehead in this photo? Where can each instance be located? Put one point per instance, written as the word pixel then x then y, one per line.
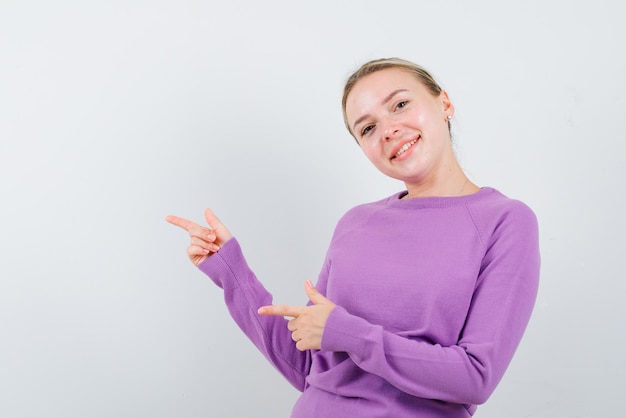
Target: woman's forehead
pixel 374 88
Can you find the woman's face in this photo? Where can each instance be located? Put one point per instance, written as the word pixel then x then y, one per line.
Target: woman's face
pixel 401 126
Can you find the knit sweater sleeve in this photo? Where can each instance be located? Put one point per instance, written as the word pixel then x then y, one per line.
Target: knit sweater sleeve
pixel 467 372
pixel 244 295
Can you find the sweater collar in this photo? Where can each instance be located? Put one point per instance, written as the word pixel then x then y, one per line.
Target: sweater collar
pixel 396 200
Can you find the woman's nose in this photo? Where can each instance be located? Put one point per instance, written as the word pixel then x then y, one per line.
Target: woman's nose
pixel 390 131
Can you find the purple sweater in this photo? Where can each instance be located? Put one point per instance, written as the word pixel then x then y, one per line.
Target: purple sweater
pixel 433 296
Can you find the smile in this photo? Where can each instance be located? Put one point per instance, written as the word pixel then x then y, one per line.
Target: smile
pixel 404 148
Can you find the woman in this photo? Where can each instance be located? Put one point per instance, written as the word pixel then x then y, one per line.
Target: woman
pixel 423 296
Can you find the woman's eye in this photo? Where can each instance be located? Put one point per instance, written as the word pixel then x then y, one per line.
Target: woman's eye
pixel 366 129
pixel 402 104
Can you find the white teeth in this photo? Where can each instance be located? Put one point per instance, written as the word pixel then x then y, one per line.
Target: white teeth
pixel 405 147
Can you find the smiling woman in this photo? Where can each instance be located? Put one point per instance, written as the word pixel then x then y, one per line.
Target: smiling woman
pixel 403 128
pixel 423 297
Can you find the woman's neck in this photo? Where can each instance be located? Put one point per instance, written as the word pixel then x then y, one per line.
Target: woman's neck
pixel 451 185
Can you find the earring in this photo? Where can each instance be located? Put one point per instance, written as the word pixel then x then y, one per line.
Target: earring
pixel 449 117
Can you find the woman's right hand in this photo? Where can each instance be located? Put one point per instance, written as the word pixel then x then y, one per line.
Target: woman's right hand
pixel 204 240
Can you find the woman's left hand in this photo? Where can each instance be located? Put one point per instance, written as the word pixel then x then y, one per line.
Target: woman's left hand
pixel 307 325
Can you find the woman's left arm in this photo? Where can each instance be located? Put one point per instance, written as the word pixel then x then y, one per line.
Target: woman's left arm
pixel 465 373
pixel 468 371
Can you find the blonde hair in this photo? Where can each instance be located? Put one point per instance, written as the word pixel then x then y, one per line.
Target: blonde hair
pixel 381 64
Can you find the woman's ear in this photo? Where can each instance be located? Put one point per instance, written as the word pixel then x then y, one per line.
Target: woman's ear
pixel 446 105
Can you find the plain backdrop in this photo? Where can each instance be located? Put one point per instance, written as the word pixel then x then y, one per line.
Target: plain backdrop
pixel 114 114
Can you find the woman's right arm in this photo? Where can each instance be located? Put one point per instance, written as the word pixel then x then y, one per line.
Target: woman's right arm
pixel 217 254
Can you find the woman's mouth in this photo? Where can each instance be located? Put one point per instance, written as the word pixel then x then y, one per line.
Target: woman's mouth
pixel 404 148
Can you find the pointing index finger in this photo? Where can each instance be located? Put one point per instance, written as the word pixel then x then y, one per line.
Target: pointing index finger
pixel 281 310
pixel 179 222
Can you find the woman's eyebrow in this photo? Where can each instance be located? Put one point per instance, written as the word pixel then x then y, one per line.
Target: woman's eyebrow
pixel 390 95
pixel 382 102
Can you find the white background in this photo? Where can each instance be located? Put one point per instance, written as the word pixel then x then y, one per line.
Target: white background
pixel 114 114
